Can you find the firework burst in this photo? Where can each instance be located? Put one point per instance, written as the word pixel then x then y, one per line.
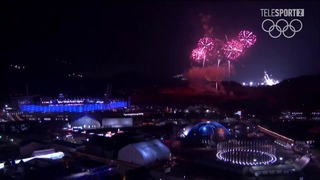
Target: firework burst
pixel 247 38
pixel 198 54
pixel 233 49
pixel 206 43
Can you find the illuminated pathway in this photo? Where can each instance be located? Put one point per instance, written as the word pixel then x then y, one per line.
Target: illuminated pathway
pixel 53 156
pixel 276 135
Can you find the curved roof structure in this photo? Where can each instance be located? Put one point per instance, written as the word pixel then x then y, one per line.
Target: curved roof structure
pixel 205 129
pixel 144 153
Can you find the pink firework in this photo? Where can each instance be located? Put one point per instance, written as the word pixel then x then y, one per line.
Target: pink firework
pixel 247 38
pixel 233 49
pixel 206 43
pixel 198 54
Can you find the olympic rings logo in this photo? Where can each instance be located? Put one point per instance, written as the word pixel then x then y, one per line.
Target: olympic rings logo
pixel 281 30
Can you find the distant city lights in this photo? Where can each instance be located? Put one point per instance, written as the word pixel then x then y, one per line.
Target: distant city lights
pixel 63 61
pixel 17 66
pixel 75 75
pixel 133 114
pixel 267 81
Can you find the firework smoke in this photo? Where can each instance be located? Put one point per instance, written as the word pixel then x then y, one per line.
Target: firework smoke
pixel 205 79
pixel 205 20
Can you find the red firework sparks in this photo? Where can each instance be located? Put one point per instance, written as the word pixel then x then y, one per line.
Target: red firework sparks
pixel 206 43
pixel 247 38
pixel 198 54
pixel 233 49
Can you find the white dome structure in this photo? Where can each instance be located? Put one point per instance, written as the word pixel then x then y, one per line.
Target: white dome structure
pixel 144 153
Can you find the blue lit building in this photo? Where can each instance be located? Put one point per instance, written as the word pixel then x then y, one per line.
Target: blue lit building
pixel 77 108
pixel 206 134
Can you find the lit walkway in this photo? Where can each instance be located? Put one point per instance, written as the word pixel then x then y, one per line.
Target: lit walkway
pixel 276 135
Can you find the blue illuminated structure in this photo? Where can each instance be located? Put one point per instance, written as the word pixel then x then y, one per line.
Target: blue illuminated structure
pixel 209 129
pixel 73 108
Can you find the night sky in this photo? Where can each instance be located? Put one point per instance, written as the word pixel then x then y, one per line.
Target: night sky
pixel 104 38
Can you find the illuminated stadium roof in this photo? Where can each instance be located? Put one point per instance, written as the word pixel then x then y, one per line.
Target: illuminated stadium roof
pixel 73 108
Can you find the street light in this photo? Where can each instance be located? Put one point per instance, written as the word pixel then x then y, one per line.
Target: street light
pixel 281 160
